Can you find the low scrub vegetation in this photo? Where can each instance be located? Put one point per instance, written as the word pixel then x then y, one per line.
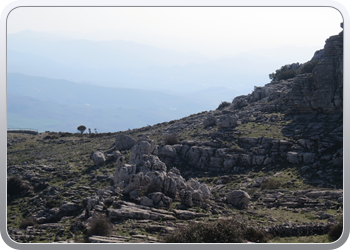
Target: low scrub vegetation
pixel 271 183
pixel 336 231
pixel 222 231
pixel 223 105
pixel 100 225
pixel 287 72
pixel 31 221
pixel 52 137
pixel 170 139
pixel 15 185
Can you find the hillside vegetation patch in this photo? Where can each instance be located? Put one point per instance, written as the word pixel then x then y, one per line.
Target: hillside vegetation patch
pixel 222 231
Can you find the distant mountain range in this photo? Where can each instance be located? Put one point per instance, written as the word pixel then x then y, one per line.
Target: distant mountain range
pixel 125 63
pixel 57 83
pixel 62 105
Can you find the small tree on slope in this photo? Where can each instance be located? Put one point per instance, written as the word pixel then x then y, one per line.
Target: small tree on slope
pixel 81 128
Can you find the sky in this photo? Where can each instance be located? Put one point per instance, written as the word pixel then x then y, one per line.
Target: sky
pixel 212 31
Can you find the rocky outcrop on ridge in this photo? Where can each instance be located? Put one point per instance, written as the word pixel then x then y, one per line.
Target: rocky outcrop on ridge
pixel 320 91
pixel 297 121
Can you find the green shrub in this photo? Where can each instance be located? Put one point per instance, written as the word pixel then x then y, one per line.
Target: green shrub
pixel 270 184
pixel 31 221
pixel 214 192
pixel 50 137
pixel 308 67
pixel 336 231
pixel 223 105
pixel 15 185
pixel 285 72
pixel 222 231
pixel 100 225
pixel 64 134
pixel 170 139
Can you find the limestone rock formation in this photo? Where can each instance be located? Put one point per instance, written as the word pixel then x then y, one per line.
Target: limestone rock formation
pixel 98 158
pixel 124 142
pixel 320 91
pixel 146 178
pixel 127 210
pixel 307 109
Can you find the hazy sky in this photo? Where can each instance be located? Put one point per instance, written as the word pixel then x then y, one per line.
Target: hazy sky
pixel 214 31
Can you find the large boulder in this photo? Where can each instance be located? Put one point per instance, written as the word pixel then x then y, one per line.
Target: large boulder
pixel 68 209
pixel 124 142
pixel 226 121
pixel 98 158
pixel 209 121
pixel 206 194
pixel 238 198
pixel 293 157
pixel 193 184
pixel 142 149
pixel 239 102
pixel 167 151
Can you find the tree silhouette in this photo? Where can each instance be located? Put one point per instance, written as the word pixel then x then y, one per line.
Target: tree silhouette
pixel 81 128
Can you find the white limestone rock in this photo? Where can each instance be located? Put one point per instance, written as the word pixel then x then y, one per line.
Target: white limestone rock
pixel 98 158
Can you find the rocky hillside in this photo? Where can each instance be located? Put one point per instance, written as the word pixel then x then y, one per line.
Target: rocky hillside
pixel 274 158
